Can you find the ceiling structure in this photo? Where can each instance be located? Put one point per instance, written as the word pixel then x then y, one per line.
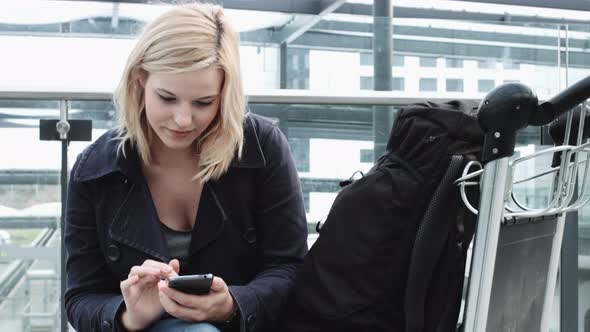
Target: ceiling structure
pixel 348 25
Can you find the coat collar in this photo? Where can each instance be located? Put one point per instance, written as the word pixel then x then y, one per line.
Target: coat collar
pixel 101 157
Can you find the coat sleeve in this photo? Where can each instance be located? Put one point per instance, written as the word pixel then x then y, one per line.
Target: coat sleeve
pixel 281 230
pixel 92 297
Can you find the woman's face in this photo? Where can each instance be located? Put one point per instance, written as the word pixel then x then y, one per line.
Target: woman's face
pixel 180 107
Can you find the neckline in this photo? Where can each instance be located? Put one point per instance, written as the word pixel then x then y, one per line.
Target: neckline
pixel 170 230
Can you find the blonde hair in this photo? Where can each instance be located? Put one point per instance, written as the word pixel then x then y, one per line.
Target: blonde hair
pixel 186 38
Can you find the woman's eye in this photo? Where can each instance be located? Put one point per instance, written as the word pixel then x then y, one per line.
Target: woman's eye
pixel 203 104
pixel 167 99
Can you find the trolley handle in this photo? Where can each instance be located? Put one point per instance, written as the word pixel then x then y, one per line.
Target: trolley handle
pixel 510 107
pixel 561 103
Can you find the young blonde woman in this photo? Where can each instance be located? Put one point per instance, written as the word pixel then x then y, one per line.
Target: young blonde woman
pixel 189 183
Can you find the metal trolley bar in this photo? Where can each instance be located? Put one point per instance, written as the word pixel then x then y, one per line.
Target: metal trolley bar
pixel 516 254
pixel 486 242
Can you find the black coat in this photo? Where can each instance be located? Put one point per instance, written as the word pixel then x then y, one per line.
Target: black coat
pixel 251 229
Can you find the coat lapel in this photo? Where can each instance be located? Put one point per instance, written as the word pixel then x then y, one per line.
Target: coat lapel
pixel 136 223
pixel 211 218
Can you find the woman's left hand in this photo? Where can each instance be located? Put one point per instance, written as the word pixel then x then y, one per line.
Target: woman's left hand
pixel 216 306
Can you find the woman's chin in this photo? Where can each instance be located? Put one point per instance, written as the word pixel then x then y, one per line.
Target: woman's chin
pixel 177 144
pixel 178 147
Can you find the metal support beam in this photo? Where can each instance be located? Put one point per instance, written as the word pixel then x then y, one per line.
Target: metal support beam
pixel 516 38
pixel 63 131
pixel 311 6
pixel 382 60
pixel 283 66
pixel 300 24
pixel 28 222
pixel 526 53
pixel 314 7
pixel 466 15
pixel 29 177
pixel 18 222
pixel 561 4
pixel 14 252
pixel 569 273
pixel 270 96
pixel 115 17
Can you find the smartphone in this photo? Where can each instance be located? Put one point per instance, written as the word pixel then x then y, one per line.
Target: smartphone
pixel 193 284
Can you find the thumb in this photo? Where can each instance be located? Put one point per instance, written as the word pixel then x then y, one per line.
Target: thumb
pixel 218 284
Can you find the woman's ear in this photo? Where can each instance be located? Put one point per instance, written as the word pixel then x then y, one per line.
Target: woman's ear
pixel 141 76
pixel 141 79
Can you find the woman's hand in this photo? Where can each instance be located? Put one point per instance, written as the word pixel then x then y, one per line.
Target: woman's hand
pixel 140 292
pixel 216 306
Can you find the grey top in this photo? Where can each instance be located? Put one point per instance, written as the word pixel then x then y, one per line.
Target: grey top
pixel 178 242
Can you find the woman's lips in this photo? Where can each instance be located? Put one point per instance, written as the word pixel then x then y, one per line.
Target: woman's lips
pixel 181 133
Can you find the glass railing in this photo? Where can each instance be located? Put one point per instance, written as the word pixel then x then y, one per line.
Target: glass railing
pixel 331 137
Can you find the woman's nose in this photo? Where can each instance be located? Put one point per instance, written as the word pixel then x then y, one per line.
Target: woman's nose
pixel 183 117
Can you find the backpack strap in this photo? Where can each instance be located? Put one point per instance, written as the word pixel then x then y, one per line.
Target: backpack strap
pixel 430 241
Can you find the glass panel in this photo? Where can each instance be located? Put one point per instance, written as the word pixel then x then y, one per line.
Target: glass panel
pixel 486 64
pixel 485 86
pixel 30 210
pixel 366 59
pixel 454 85
pixel 427 84
pixel 366 83
pixel 508 64
pixel 470 51
pixel 427 61
pixel 398 84
pixel 454 63
pixel 398 60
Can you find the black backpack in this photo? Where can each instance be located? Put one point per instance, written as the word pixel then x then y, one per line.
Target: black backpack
pixel 391 254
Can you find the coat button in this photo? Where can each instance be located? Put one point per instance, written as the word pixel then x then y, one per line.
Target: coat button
pixel 113 253
pixel 250 235
pixel 106 326
pixel 251 322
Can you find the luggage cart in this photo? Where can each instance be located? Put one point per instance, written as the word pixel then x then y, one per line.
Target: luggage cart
pixel 516 250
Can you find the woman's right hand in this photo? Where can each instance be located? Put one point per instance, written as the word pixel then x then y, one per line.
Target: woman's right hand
pixel 140 292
